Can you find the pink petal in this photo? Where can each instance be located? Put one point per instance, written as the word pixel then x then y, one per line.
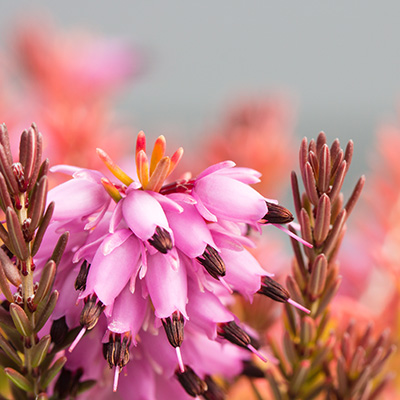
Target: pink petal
pixel 109 273
pixel 77 198
pixel 243 272
pixel 245 175
pixel 230 199
pixel 167 286
pixel 115 240
pixel 143 213
pixel 215 167
pixel 191 233
pixel 128 312
pixel 205 310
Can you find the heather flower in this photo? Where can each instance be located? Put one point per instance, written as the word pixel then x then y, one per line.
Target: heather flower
pixel 166 255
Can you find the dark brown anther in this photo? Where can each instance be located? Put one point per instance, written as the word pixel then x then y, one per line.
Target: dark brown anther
pixel 212 262
pixel 91 312
pixel 80 282
pixel 273 290
pixel 67 384
pixel 58 330
pixel 161 240
pixel 277 214
pixel 214 391
pixel 234 334
pixel 116 350
pixel 251 370
pixel 191 382
pixel 173 326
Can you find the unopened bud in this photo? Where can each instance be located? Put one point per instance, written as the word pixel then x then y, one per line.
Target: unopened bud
pixel 212 262
pixel 18 171
pixel 161 240
pixel 191 382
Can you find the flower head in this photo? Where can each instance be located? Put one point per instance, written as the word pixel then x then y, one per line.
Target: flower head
pixel 163 257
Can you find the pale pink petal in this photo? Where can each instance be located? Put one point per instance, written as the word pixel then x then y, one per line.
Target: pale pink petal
pixel 109 273
pixel 211 357
pixel 115 240
pixel 245 175
pixel 215 167
pixel 167 286
pixel 243 272
pixel 143 213
pixel 230 199
pixel 128 312
pixel 205 310
pixel 191 233
pixel 77 198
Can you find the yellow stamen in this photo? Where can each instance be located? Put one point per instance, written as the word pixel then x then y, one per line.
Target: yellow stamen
pixel 111 190
pixel 175 159
pixel 160 173
pixel 158 153
pixel 142 167
pixel 114 168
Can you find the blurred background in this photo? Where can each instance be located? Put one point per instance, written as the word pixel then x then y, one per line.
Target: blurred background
pixel 335 63
pixel 226 80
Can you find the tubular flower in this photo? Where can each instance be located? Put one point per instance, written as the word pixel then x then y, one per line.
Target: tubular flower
pixel 160 261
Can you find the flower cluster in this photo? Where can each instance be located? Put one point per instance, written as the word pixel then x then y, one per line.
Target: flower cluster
pixel 159 261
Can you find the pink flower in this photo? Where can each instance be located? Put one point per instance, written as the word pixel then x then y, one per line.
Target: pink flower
pixel 166 255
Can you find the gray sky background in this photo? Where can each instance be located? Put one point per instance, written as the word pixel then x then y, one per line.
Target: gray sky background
pixel 339 60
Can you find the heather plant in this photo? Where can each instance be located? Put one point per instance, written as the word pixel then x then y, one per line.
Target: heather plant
pixel 30 360
pixel 315 359
pixel 121 286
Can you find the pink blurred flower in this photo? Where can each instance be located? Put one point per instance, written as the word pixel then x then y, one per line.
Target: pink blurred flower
pixel 67 80
pixel 258 134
